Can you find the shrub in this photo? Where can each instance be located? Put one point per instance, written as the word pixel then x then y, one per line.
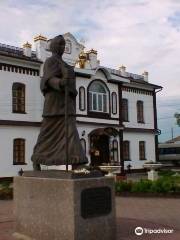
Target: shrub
pixel 6 193
pixel 162 185
pixel 6 189
pixel 177 188
pixel 144 185
pixel 5 184
pixel 123 186
pixel 176 179
pixel 166 173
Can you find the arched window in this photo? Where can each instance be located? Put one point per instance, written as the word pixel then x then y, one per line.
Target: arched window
pixel 115 151
pixel 126 150
pixel 142 150
pixel 18 98
pixel 82 104
pixel 83 143
pixel 124 110
pixel 114 103
pixel 19 151
pixel 140 112
pixel 98 97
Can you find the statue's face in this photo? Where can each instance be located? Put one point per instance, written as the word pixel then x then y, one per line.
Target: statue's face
pixel 57 45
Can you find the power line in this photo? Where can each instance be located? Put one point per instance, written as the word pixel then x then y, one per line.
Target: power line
pixel 164 118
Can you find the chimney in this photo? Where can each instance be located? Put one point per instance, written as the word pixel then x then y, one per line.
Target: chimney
pixel 123 70
pixel 41 47
pixel 27 49
pixel 92 55
pixel 145 75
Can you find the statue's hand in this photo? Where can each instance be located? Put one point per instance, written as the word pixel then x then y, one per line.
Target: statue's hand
pixel 62 82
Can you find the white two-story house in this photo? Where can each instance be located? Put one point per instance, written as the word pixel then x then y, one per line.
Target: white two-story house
pixel 115 110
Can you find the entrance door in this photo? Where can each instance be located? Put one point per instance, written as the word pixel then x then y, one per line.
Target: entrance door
pixel 99 149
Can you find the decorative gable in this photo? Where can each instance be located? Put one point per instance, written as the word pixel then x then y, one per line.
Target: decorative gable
pixel 72 49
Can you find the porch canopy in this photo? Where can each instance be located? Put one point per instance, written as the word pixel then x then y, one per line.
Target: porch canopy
pixel 108 131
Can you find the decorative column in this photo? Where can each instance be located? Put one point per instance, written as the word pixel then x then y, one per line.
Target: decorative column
pixel 121 130
pixel 155 126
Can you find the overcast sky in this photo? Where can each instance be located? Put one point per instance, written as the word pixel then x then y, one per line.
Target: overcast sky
pixel 140 34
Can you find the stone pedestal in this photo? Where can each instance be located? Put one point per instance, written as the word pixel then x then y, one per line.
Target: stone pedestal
pixel 64 209
pixel 152 175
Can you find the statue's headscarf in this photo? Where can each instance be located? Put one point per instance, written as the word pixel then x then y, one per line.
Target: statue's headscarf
pixel 52 66
pixel 57 45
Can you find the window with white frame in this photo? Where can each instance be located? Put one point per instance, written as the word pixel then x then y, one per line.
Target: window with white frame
pixel 98 97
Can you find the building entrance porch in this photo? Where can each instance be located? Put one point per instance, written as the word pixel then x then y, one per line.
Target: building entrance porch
pixel 104 147
pixel 99 150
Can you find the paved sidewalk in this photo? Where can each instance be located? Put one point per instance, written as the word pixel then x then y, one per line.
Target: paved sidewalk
pixel 153 213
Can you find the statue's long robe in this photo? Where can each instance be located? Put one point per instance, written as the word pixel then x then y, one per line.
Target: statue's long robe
pixel 50 146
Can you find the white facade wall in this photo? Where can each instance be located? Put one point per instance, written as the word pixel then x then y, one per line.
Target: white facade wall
pixel 33 100
pixel 148 110
pixel 7 134
pixel 134 139
pixel 33 109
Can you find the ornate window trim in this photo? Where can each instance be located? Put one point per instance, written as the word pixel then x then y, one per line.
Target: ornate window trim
pixel 137 90
pixel 114 102
pixel 96 113
pixel 115 150
pixel 82 99
pixel 18 69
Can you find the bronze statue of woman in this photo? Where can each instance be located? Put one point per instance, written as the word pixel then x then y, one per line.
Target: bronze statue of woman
pixel 51 143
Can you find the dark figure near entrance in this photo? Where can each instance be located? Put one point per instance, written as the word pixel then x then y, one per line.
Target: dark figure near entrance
pixel 50 147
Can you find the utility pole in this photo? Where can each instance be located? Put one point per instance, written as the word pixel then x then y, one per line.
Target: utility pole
pixel 172 133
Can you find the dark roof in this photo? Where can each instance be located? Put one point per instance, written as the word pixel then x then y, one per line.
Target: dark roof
pixel 176 139
pixel 146 83
pixel 134 78
pixel 129 75
pixel 15 52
